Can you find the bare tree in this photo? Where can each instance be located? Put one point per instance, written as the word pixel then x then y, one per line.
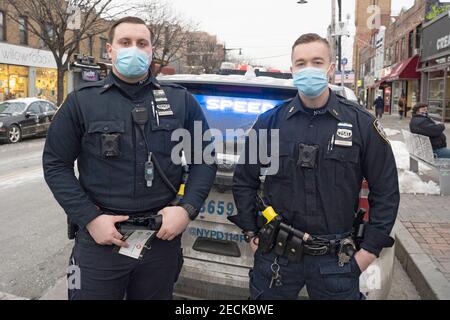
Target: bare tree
pixel 170 31
pixel 52 22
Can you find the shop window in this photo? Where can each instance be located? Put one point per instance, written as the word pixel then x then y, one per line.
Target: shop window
pixel 436 89
pixel 447 89
pixel 13 82
pixel 2 26
pixel 46 83
pixel 23 30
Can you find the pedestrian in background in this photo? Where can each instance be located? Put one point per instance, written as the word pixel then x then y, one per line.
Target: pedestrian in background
pixel 401 106
pixel 379 105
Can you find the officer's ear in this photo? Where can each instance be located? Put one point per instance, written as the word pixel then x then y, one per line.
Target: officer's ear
pixel 331 70
pixel 109 50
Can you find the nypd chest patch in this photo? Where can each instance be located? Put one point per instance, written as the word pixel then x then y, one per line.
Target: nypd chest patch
pixel 344 135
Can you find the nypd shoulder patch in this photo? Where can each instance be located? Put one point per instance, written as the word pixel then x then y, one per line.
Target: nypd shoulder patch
pixel 379 128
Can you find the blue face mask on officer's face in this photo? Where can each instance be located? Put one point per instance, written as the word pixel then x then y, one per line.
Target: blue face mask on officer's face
pixel 132 62
pixel 311 82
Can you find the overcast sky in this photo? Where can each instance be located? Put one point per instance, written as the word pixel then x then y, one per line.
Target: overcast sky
pixel 266 29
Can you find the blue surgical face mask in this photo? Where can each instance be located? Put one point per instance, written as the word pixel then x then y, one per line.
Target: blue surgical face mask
pixel 311 82
pixel 132 62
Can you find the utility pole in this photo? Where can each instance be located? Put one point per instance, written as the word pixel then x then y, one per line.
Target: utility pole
pixel 333 29
pixel 340 36
pixel 332 35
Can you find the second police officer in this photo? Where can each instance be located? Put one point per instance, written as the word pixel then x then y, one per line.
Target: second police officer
pixel 119 131
pixel 327 145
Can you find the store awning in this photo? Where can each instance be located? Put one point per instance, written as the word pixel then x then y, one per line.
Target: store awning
pixel 406 69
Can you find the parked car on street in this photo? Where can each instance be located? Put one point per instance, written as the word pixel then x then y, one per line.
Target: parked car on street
pixel 217 259
pixel 26 117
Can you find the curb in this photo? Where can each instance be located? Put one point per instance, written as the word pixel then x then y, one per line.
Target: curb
pixel 428 280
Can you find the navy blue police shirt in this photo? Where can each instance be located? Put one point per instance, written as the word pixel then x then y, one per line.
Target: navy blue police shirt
pixel 323 200
pixel 117 184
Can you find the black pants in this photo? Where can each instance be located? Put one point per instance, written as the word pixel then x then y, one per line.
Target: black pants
pixel 107 275
pixel 323 277
pixel 379 112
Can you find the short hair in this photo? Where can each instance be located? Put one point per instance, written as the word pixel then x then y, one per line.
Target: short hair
pixel 309 38
pixel 129 19
pixel 418 106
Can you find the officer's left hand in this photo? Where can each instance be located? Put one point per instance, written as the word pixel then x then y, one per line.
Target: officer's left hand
pixel 364 259
pixel 175 221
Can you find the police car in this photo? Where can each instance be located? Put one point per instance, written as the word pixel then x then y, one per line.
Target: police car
pixel 216 257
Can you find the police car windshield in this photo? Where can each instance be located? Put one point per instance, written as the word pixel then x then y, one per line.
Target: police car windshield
pixel 227 112
pixel 233 104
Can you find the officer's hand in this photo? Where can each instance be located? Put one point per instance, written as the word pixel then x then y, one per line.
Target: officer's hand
pixel 104 231
pixel 364 259
pixel 254 244
pixel 175 221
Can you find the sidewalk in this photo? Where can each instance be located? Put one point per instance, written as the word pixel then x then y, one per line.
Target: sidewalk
pixel 6 296
pixel 423 238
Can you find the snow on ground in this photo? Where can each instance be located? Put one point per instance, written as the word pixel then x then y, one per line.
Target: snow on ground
pixel 391 132
pixel 410 182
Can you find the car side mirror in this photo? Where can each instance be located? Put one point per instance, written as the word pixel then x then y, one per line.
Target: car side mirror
pixel 29 114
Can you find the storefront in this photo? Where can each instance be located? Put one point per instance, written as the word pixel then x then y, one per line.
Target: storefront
pixel 13 82
pixel 402 79
pixel 27 72
pixel 435 66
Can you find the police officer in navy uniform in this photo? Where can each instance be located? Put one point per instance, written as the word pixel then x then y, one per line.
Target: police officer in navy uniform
pixel 98 125
pixel 327 145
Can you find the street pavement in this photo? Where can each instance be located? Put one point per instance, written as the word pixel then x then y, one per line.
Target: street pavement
pixel 35 249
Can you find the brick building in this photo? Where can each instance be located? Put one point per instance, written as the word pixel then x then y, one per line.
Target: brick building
pixel 403 42
pixel 369 16
pixel 203 54
pixel 27 68
pixel 387 65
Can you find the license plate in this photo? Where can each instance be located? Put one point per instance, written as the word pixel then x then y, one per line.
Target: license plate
pixel 218 206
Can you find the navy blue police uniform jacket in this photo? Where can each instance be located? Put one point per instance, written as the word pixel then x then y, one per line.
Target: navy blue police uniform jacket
pixel 323 200
pixel 118 184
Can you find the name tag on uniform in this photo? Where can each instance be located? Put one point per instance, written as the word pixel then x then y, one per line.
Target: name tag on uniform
pixel 163 107
pixel 344 135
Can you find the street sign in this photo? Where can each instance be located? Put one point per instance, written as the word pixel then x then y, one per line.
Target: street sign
pixel 344 61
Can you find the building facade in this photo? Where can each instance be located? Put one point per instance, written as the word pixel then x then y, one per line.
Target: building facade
pixel 370 15
pixel 435 66
pixel 400 77
pixel 27 68
pixel 388 64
